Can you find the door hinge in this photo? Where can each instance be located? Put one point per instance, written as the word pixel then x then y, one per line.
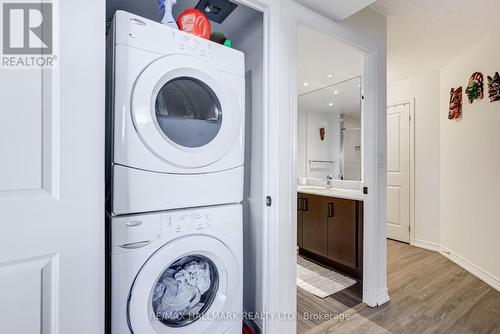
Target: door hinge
pixel 365 190
pixel 409 228
pixel 269 201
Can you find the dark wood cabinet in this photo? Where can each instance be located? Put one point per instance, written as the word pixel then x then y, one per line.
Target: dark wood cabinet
pixel 361 219
pixel 330 230
pixel 299 220
pixel 315 224
pixel 342 242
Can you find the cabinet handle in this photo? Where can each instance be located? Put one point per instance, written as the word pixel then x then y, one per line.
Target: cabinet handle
pixel 306 204
pixel 330 210
pixel 299 204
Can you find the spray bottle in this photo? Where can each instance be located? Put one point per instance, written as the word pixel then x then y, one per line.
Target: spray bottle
pixel 168 18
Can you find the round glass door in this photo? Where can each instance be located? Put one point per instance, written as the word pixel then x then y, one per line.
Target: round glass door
pixel 185 291
pixel 182 285
pixel 188 112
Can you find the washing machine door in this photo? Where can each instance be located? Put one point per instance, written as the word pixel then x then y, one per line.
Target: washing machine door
pixel 186 292
pixel 185 112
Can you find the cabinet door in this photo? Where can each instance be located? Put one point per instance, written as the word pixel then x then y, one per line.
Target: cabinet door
pixel 314 228
pixel 342 243
pixel 300 205
pixel 360 223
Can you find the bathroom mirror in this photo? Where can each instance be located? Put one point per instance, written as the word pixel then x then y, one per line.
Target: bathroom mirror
pixel 330 124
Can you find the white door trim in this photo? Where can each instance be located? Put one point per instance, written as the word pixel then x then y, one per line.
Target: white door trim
pixel 374 166
pixel 411 102
pixel 280 117
pixel 271 96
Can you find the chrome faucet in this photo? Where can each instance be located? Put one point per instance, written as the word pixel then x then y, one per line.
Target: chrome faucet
pixel 329 181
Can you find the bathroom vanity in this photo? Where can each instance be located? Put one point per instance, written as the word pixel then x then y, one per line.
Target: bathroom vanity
pixel 330 227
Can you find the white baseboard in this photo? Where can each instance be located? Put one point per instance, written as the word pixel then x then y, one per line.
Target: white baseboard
pixel 462 262
pixel 432 246
pixel 383 297
pixel 471 268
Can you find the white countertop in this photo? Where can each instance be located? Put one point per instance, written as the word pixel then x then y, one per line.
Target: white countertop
pixel 356 195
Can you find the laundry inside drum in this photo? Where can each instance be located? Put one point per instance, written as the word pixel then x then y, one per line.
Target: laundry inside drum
pixel 185 291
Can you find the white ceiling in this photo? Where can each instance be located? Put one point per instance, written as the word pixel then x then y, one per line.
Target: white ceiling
pixel 337 10
pixel 425 35
pixel 319 55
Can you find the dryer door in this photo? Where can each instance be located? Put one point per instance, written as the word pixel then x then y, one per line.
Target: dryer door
pixel 186 292
pixel 185 112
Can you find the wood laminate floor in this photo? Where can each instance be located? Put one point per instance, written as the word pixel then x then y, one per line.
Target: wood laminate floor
pixel 429 294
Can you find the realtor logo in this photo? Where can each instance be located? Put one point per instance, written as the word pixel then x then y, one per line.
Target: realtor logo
pixel 27 34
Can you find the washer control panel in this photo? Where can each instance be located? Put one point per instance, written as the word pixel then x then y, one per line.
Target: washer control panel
pixel 186 222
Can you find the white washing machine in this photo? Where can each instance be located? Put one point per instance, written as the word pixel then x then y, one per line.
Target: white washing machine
pixel 176 122
pixel 177 272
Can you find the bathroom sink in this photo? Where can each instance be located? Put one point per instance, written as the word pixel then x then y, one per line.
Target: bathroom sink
pixel 312 188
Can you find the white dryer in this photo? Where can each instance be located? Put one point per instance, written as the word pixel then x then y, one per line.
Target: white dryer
pixel 177 272
pixel 176 120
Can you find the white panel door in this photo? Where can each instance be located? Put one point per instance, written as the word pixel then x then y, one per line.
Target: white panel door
pixel 52 183
pixel 398 172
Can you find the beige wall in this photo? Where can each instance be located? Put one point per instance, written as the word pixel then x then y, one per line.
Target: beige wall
pixel 457 162
pixel 425 90
pixel 470 165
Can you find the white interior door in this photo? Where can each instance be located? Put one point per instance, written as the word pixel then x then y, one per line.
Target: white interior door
pixel 52 183
pixel 398 172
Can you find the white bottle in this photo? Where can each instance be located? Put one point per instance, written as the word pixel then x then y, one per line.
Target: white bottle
pixel 168 17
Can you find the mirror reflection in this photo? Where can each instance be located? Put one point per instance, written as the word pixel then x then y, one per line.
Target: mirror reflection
pixel 330 124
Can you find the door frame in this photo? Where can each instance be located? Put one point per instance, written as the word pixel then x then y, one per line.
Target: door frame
pixel 411 102
pixel 374 165
pixel 271 302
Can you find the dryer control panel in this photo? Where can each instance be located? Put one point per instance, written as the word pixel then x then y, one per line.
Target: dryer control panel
pixel 193 43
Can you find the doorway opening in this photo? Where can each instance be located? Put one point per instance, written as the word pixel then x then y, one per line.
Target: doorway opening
pixel 330 201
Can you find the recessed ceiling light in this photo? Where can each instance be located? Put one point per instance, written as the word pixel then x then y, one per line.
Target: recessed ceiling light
pixel 336 92
pixel 330 104
pixel 359 85
pixel 331 75
pixel 306 84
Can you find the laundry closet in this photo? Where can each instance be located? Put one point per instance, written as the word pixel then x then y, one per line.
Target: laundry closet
pixel 184 165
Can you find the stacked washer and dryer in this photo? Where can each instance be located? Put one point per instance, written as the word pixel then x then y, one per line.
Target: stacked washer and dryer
pixel 174 181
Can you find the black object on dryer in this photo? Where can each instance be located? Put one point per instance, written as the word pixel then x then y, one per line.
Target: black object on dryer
pixel 216 10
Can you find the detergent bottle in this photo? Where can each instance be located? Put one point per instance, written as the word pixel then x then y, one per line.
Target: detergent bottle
pixel 168 17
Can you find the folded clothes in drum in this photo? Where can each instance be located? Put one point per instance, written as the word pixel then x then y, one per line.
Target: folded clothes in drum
pixel 180 288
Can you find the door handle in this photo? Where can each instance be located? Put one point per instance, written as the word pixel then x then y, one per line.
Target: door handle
pixel 299 204
pixel 135 245
pixel 306 204
pixel 330 210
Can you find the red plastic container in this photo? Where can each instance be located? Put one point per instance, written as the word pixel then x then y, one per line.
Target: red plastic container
pixel 194 22
pixel 247 329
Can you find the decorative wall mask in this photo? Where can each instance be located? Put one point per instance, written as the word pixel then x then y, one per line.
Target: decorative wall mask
pixel 455 110
pixel 494 87
pixel 322 133
pixel 475 88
